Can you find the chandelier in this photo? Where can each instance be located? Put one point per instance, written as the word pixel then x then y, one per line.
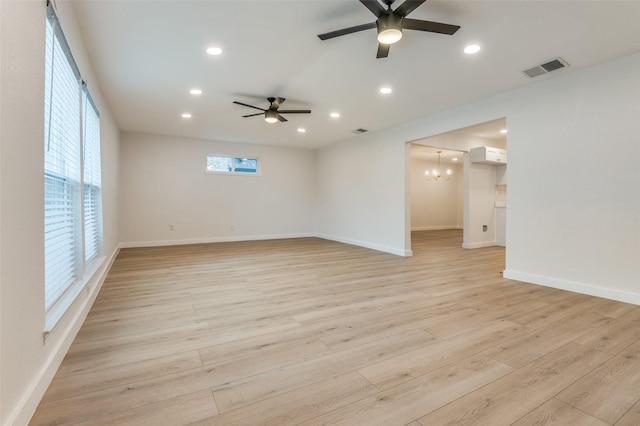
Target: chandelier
pixel 435 173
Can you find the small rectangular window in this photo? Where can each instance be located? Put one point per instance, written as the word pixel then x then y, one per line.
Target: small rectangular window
pixel 245 165
pixel 230 164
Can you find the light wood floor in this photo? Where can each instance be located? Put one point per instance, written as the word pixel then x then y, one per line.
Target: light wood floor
pixel 312 332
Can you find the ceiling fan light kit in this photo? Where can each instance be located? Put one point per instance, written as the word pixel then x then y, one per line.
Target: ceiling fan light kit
pixel 390 24
pixel 271 116
pixel 389 29
pixel 273 113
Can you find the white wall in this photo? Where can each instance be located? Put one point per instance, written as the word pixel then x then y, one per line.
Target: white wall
pixel 435 204
pixel 568 226
pixel 164 183
pixel 27 361
pixel 479 195
pixel 361 189
pixel 501 212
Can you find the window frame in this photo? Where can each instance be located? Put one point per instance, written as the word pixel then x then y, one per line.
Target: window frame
pixel 91 177
pixel 64 143
pixel 233 159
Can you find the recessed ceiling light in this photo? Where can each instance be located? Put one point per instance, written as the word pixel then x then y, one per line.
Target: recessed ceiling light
pixel 335 115
pixel 472 49
pixel 385 90
pixel 301 130
pixel 215 51
pixel 186 115
pixel 503 131
pixel 195 91
pixel 454 159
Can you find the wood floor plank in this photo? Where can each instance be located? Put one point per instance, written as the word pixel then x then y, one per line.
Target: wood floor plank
pixel 408 365
pixel 555 412
pixel 134 395
pixel 108 402
pixel 76 383
pixel 348 330
pixel 513 396
pixel 363 306
pixel 248 390
pixel 542 316
pixel 176 411
pixel 270 359
pixel 256 345
pixel 615 336
pixel 110 342
pixel 126 355
pixel 465 321
pixel 619 376
pixel 296 406
pixel 410 400
pixel 533 344
pixel 631 417
pixel 310 330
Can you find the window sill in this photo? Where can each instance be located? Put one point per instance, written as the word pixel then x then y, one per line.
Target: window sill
pixel 207 172
pixel 61 307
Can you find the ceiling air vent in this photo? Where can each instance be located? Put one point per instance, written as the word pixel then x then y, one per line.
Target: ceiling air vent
pixel 552 65
pixel 359 131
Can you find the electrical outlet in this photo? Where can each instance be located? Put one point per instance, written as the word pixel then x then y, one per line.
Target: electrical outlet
pixel 170 227
pixel 484 228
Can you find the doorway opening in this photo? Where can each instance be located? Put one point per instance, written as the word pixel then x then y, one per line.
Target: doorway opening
pixel 471 203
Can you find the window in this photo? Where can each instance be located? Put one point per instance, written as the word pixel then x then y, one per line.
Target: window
pixel 92 178
pixel 72 194
pixel 230 164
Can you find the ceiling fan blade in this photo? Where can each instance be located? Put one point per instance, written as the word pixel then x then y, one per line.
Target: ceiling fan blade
pixel 407 7
pixel 383 50
pixel 281 118
pixel 253 115
pixel 276 104
pixel 295 111
pixel 375 7
pixel 346 31
pixel 247 105
pixel 432 27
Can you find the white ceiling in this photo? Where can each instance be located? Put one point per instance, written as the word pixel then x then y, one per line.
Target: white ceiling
pixel 483 134
pixel 149 54
pixel 430 154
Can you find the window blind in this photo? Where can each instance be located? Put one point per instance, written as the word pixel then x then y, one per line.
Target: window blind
pixel 61 167
pixel 92 178
pixel 72 175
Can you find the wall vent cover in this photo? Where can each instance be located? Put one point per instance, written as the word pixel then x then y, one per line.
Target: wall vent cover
pixel 552 65
pixel 359 131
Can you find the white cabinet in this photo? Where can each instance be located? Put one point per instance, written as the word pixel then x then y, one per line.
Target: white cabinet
pixel 488 155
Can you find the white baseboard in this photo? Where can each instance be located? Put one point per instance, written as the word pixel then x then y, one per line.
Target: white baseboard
pixel 160 243
pixel 435 228
pixel 60 339
pixel 365 244
pixel 478 245
pixel 576 287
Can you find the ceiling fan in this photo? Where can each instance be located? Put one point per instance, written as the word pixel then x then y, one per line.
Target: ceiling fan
pixel 272 114
pixel 390 24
